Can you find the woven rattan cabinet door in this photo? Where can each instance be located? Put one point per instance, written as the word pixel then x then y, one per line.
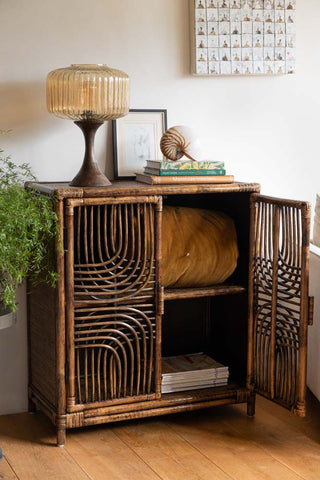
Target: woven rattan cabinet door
pixel 278 300
pixel 112 291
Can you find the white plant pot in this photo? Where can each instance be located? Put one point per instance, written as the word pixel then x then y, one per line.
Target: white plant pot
pixel 7 318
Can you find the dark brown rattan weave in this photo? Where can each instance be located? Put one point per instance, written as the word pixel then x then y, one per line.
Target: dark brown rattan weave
pixel 96 341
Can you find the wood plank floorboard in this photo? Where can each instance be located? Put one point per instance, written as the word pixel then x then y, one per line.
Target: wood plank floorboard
pixel 28 443
pixel 231 450
pixel 282 437
pixel 167 453
pixel 6 472
pixel 102 454
pixel 220 443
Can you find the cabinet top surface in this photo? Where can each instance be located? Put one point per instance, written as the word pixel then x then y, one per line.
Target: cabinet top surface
pixel 131 187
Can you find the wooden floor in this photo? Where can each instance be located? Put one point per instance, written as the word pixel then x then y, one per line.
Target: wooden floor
pixel 215 444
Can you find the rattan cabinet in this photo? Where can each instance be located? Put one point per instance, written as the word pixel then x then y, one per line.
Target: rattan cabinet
pixel 97 339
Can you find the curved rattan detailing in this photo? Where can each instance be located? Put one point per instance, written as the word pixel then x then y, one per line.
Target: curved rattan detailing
pixel 114 298
pixel 114 349
pixel 115 252
pixel 277 293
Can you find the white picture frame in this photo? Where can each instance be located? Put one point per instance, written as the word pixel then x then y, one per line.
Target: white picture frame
pixel 136 139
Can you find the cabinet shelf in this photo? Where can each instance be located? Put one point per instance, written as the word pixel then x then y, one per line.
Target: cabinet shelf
pixel 215 290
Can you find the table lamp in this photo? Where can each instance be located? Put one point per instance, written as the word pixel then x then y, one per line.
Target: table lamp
pixel 89 95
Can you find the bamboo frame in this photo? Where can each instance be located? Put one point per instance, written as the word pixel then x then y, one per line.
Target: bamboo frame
pixel 61 330
pixel 111 350
pixel 278 300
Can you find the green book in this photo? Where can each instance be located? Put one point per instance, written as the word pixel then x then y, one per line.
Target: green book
pixel 168 173
pixel 184 165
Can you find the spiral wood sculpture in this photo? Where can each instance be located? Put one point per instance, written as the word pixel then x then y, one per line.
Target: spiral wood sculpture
pixel 179 141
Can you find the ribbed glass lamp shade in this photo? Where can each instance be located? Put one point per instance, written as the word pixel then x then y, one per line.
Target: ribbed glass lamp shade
pixel 88 92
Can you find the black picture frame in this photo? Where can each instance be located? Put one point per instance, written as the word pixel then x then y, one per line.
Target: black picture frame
pixel 124 167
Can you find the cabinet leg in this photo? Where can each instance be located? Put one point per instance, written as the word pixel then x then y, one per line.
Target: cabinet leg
pixel 32 408
pixel 61 437
pixel 251 405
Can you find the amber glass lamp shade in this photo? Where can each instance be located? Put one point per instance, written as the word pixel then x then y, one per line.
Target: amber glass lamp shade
pixel 89 95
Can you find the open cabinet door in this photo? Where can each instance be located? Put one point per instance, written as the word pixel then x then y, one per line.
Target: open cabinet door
pixel 278 300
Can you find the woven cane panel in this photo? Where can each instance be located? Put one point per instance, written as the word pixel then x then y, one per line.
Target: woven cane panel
pixel 282 381
pixel 114 288
pixel 114 252
pixel 114 349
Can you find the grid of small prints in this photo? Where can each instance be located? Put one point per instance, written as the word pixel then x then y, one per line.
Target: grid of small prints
pixel 243 37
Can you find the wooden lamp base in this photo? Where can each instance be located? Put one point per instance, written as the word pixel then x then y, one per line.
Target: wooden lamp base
pixel 89 174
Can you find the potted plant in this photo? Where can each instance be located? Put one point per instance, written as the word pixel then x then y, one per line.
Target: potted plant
pixel 27 222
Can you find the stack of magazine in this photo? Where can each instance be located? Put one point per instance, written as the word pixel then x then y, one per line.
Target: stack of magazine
pixel 167 171
pixel 192 372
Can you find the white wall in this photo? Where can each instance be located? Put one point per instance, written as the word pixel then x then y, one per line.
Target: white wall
pixel 264 128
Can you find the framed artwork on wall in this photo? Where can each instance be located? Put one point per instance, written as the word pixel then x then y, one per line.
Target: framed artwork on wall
pixel 136 139
pixel 243 37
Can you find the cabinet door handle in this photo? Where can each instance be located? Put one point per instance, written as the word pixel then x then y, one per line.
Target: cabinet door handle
pixel 310 310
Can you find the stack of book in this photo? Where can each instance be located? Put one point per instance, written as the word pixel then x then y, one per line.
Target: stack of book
pixel 192 372
pixel 166 171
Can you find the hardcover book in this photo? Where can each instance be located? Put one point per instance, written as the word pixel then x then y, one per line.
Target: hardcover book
pixel 200 171
pixel 184 165
pixel 187 179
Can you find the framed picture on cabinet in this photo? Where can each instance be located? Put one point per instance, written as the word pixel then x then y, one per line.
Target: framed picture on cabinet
pixel 136 139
